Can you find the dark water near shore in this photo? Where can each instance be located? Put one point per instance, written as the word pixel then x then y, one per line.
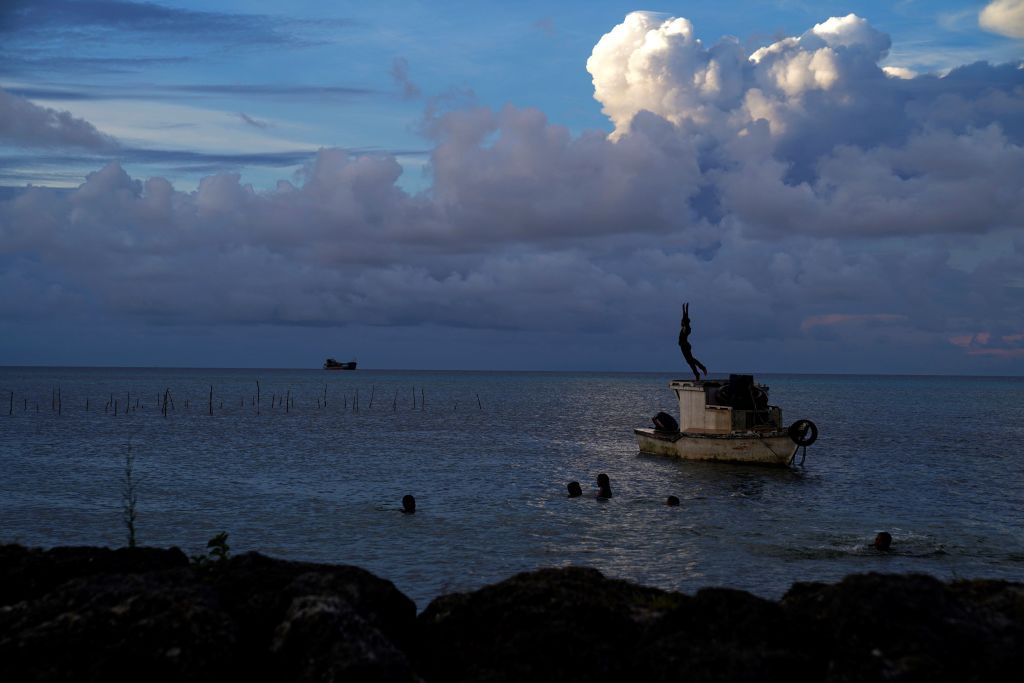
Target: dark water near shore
pixel 937 461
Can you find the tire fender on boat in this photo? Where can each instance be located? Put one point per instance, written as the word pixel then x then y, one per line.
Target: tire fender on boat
pixel 803 432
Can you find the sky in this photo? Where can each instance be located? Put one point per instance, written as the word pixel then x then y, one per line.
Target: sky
pixel 832 186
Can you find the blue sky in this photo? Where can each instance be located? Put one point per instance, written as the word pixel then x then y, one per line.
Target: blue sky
pixel 456 185
pixel 178 76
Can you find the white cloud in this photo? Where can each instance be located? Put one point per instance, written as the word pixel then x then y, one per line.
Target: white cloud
pixel 654 64
pixel 899 72
pixel 657 64
pixel 1005 17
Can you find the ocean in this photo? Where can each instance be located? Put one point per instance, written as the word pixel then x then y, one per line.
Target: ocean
pixel 319 475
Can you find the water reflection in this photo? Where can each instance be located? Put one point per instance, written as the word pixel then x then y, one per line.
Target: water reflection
pixel 489 482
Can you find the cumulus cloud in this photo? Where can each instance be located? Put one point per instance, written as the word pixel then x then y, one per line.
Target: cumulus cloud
pixel 25 124
pixel 1005 17
pixel 810 134
pixel 794 194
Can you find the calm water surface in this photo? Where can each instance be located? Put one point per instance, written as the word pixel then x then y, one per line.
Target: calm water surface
pixel 936 461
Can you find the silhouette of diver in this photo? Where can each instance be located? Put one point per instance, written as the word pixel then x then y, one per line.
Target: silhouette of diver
pixel 684 344
pixel 408 505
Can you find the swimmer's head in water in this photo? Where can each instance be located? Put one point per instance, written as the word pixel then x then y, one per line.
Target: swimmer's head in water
pixel 602 480
pixel 883 540
pixel 672 501
pixel 574 488
pixel 408 504
pixel 604 486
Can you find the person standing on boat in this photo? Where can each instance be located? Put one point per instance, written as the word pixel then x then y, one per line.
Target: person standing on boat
pixel 684 345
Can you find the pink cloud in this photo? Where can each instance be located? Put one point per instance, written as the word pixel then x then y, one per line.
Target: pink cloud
pixel 973 342
pixel 961 340
pixel 997 353
pixel 973 339
pixel 831 319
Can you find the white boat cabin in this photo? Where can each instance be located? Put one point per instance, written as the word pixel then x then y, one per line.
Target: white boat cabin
pixel 725 406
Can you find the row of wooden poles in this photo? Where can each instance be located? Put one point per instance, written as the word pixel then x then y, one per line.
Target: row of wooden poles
pixel 166 402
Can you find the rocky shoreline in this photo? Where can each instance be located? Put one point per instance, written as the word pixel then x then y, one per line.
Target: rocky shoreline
pixel 96 614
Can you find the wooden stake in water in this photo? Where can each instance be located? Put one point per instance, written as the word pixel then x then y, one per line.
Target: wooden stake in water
pixel 479 405
pixel 211 399
pixel 288 401
pixel 394 404
pixel 414 398
pixel 325 395
pixel 373 389
pixel 423 400
pixel 10 411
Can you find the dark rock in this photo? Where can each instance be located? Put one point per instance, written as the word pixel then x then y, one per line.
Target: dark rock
pixel 726 635
pixel 323 638
pixel 30 572
pixel 92 614
pixel 547 625
pixel 151 626
pixel 913 628
pixel 259 590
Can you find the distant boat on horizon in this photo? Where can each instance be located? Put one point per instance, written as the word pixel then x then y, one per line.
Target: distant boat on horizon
pixel 331 364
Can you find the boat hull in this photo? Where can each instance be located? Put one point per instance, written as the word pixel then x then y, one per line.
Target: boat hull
pixel 769 448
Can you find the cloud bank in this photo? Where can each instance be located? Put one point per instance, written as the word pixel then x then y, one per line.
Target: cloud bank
pixel 798 195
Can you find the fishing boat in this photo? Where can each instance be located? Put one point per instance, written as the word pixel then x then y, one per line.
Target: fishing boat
pixel 726 420
pixel 331 364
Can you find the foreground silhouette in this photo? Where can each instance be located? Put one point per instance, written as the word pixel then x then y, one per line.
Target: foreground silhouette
pixel 684 344
pixel 146 614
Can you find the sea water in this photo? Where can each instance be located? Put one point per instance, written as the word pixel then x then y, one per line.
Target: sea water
pixel 936 461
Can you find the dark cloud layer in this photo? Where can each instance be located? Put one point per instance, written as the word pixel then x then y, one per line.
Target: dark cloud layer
pixel 72 93
pixel 802 199
pixel 15 64
pixel 84 16
pixel 24 124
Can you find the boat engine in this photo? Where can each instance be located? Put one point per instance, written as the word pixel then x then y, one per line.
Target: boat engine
pixel 663 422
